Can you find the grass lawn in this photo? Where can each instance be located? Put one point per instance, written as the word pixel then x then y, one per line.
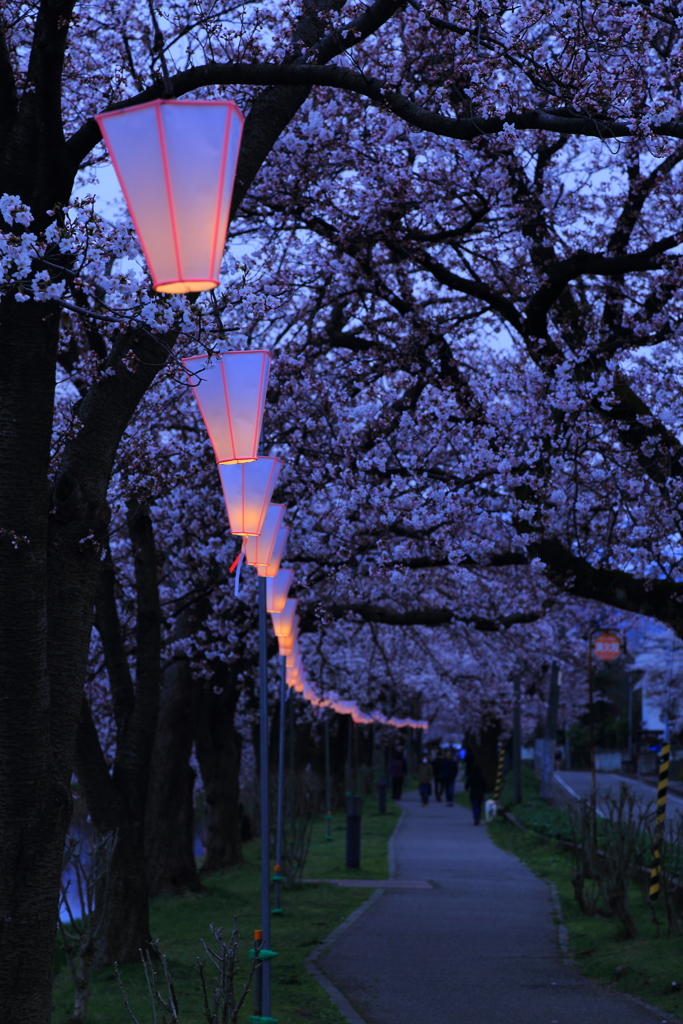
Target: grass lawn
pixel 311 912
pixel 644 966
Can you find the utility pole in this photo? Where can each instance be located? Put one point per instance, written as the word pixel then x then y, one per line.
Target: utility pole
pixel 550 734
pixel 517 742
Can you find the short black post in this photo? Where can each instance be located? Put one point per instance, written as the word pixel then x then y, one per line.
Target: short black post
pixel 328 781
pixel 382 794
pixel 353 809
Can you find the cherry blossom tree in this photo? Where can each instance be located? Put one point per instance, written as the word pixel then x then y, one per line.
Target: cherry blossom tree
pixel 459 74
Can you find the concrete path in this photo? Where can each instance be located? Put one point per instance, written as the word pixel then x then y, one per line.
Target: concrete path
pixel 479 948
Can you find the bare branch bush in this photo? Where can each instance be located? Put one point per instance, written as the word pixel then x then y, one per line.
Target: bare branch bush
pixel 304 803
pixel 670 877
pixel 91 865
pixel 221 1003
pixel 609 845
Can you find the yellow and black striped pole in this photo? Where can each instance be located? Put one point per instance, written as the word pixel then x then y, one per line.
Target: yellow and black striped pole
pixel 662 786
pixel 499 774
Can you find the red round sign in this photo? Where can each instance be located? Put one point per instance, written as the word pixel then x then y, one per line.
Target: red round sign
pixel 606 646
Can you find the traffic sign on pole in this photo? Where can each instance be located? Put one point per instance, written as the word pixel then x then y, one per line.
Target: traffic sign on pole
pixel 606 646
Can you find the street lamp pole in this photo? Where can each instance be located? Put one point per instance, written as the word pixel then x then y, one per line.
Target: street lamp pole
pixel 328 781
pixel 280 781
pixel 263 747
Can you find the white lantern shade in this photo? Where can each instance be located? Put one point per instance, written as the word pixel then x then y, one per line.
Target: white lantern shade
pixel 284 620
pixel 247 489
pixel 286 643
pixel 176 162
pixel 277 589
pixel 273 566
pixel 258 550
pixel 231 395
pixel 292 676
pixel 293 655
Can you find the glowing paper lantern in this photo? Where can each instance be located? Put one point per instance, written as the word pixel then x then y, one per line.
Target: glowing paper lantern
pixel 286 643
pixel 273 566
pixel 259 550
pixel 283 621
pixel 176 161
pixel 231 395
pixel 277 589
pixel 248 488
pixel 294 655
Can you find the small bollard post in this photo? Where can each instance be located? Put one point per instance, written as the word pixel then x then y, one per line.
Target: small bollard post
pixel 277 879
pixel 382 794
pixel 263 955
pixel 353 810
pixel 258 974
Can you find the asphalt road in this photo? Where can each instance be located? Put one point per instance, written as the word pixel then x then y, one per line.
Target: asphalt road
pixel 478 948
pixel 578 784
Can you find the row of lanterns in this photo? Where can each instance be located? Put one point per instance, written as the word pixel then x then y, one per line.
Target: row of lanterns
pixel 176 162
pixel 230 392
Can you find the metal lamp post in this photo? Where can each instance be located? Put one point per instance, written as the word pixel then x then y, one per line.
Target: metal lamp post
pixel 277 877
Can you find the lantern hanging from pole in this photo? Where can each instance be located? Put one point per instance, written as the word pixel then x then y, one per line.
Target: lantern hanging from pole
pixel 231 395
pixel 248 488
pixel 176 162
pixel 286 643
pixel 259 550
pixel 284 620
pixel 292 677
pixel 273 566
pixel 277 588
pixel 293 655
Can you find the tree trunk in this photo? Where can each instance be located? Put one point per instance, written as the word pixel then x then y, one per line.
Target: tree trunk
pixel 125 921
pixel 169 824
pixel 35 768
pixel 219 750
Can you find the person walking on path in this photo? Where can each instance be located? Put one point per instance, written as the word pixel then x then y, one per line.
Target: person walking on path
pixel 437 767
pixel 449 773
pixel 424 779
pixel 476 785
pixel 398 769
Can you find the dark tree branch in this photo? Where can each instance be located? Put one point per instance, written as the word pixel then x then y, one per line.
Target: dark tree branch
pixel 8 88
pixel 429 617
pixel 91 768
pixel 661 599
pixel 295 76
pixel 115 659
pixel 148 633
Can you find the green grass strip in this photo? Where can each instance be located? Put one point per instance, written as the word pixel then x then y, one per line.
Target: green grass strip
pixel 311 912
pixel 647 967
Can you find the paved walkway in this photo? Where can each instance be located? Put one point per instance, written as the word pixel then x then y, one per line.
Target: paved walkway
pixel 480 948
